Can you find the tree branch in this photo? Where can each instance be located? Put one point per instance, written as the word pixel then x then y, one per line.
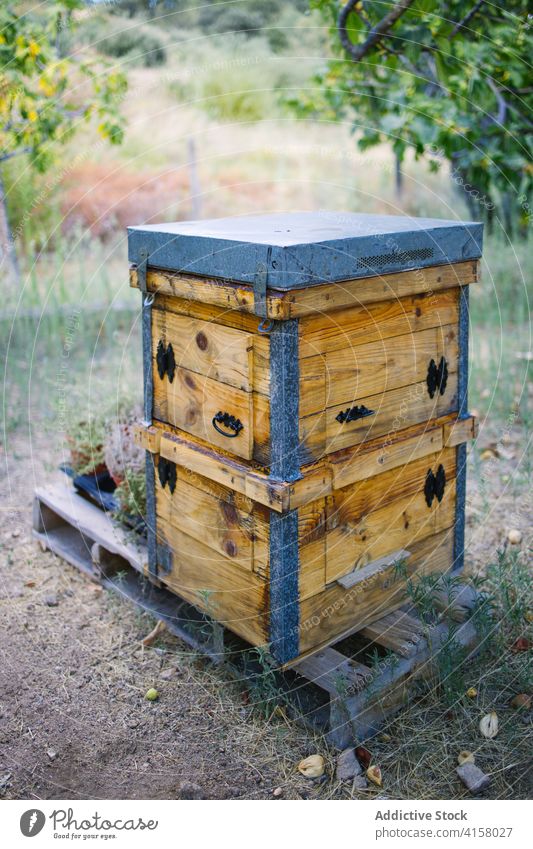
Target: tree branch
pixel 467 18
pixel 358 51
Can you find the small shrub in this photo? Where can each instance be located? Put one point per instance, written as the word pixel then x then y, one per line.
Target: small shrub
pixel 85 438
pixel 137 45
pixel 131 495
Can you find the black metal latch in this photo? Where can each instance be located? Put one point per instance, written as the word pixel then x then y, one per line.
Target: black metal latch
pixel 166 363
pixel 435 485
pixel 166 471
pixel 354 413
pixel 437 376
pixel 228 421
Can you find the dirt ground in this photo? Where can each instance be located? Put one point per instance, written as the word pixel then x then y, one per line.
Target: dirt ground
pixel 75 723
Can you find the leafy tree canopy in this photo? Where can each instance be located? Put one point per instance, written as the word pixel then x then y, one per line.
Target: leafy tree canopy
pixel 44 93
pixel 451 80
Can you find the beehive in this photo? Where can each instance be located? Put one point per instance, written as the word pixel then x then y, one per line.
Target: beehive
pixel 305 415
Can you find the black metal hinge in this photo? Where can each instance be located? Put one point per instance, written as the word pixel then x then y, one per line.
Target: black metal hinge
pixel 166 362
pixel 354 413
pixel 166 471
pixel 437 377
pixel 435 485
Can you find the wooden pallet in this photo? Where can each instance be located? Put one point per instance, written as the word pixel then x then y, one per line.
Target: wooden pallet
pixel 335 689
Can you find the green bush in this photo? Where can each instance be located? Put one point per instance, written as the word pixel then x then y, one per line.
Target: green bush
pixel 215 20
pixel 136 45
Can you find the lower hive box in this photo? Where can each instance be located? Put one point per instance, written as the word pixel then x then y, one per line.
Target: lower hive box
pixel 294 566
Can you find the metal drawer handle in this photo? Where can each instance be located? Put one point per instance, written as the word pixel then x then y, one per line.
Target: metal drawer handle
pixel 437 376
pixel 354 413
pixel 435 485
pixel 228 421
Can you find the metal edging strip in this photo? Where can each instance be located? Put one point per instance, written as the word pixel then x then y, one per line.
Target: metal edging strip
pixel 284 601
pixel 462 403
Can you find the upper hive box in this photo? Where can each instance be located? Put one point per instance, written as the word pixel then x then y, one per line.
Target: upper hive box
pixel 306 407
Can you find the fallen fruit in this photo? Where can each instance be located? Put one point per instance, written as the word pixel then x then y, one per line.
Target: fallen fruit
pixel 151 694
pixel 514 536
pixel 488 725
pixel 465 757
pixel 312 767
pixel 363 756
pixel 373 774
pixel 521 644
pixel 471 692
pixel 521 702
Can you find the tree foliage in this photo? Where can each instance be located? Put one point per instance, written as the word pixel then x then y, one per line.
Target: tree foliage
pixel 44 93
pixel 449 80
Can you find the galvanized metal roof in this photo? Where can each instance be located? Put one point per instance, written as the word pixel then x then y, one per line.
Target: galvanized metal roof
pixel 304 248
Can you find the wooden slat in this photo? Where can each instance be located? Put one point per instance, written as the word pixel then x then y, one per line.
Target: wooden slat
pixel 213 583
pixel 367 462
pixel 220 293
pixel 208 312
pixel 314 299
pixel 220 353
pixel 387 364
pixel 215 522
pixel 394 411
pixel 397 631
pixel 459 431
pixel 339 675
pixel 353 502
pixel 360 325
pixel 379 565
pixel 333 296
pixel 225 470
pixel 337 612
pixel 400 524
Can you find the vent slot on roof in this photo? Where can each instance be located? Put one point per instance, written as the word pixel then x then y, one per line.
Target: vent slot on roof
pixel 400 257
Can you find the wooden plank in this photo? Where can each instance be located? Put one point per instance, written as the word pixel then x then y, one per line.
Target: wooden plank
pixel 215 522
pixel 367 462
pixel 363 714
pixel 220 353
pixel 359 325
pixel 234 597
pixel 397 631
pixel 191 401
pixel 459 431
pixel 357 540
pixel 395 410
pixel 361 498
pixel 220 293
pixel 389 287
pixel 314 299
pixel 337 612
pixel 208 312
pixel 379 565
pixel 91 522
pixel 339 675
pixel 385 365
pixel 226 470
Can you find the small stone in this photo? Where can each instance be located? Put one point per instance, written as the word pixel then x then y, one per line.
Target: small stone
pixel 15 533
pixel 347 766
pixel 189 790
pixel 473 777
pixel 514 536
pixel 52 754
pixel 168 674
pixel 277 792
pixel 360 783
pixel 29 584
pixel 51 600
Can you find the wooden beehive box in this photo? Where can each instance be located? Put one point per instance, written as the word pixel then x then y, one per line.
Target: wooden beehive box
pixel 305 415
